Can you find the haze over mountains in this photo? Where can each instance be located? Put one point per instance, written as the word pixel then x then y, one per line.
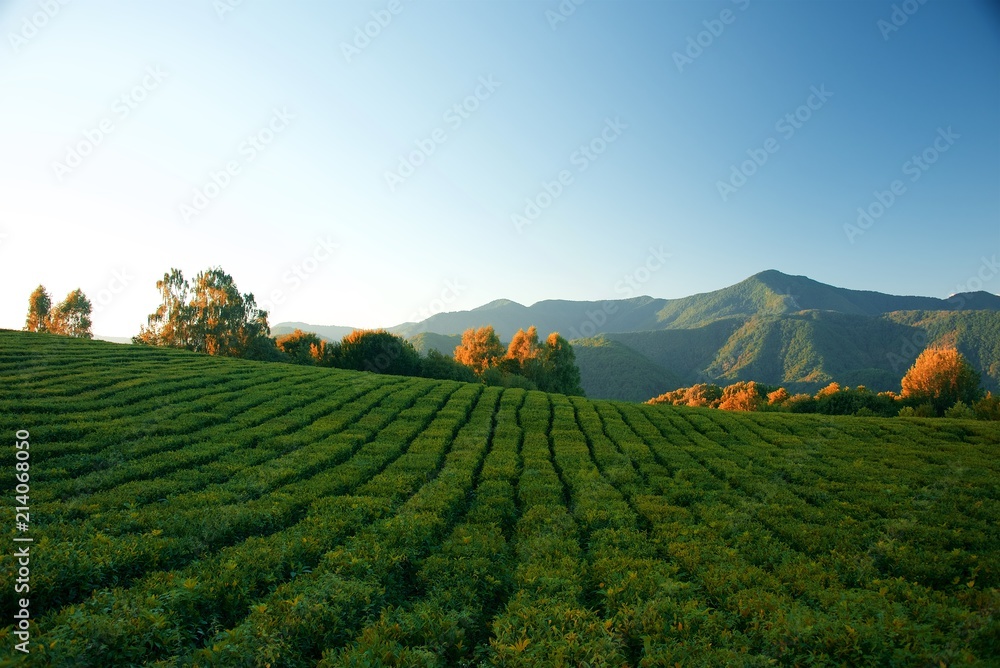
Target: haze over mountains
pixel 772 328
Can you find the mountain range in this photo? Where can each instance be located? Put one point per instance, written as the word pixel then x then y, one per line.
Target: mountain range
pixel 772 328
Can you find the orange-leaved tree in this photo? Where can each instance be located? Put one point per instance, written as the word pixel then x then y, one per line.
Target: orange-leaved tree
pixel 524 354
pixel 210 316
pixel 71 316
pixel 480 349
pixel 742 396
pixel 941 376
pixel 305 348
pixel 39 305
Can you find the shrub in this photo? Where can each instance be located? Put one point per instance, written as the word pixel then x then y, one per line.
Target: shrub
pixel 960 411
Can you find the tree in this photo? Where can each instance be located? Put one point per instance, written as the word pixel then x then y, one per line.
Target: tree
pixel 778 397
pixel 479 350
pixel 559 370
pixel 71 317
pixel 170 324
pixel 742 396
pixel 210 317
pixel 378 351
pixel 305 348
pixel 439 365
pixel 524 355
pixel 941 376
pixel 39 305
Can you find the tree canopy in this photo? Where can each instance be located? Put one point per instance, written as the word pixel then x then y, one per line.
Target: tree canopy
pixel 70 317
pixel 941 376
pixel 479 350
pixel 210 316
pixel 378 351
pixel 39 305
pixel 305 348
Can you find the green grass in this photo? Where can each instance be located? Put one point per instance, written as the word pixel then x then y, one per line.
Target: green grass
pixel 195 511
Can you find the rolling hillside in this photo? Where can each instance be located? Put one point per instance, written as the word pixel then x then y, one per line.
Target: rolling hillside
pixel 773 328
pixel 188 510
pixel 801 351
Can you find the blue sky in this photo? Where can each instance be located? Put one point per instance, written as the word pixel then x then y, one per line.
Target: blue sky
pixel 539 150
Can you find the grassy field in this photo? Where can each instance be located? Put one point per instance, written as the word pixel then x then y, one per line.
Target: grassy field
pixel 188 510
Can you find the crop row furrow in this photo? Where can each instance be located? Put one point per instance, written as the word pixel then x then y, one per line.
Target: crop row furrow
pixel 322 608
pixel 168 611
pixel 210 436
pixel 546 621
pixel 167 539
pixel 780 597
pixel 463 581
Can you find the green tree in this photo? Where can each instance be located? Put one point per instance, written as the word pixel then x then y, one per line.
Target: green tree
pixel 39 305
pixel 441 366
pixel 479 350
pixel 941 377
pixel 170 324
pixel 210 316
pixel 71 317
pixel 559 370
pixel 378 351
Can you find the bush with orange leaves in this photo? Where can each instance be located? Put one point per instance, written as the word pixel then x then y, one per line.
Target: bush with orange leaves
pixel 742 396
pixel 941 376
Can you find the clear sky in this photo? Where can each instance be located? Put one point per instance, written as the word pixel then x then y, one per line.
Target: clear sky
pixel 465 151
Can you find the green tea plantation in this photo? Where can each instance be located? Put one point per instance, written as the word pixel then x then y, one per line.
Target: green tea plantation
pixel 185 510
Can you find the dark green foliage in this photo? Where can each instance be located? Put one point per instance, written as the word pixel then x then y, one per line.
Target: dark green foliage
pixel 559 371
pixel 265 349
pixel 378 351
pixel 444 367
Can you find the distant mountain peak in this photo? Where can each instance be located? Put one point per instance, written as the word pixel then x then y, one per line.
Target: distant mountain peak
pixel 497 303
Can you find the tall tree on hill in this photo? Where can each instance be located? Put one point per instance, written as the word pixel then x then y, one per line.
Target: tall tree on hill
pixel 560 373
pixel 39 305
pixel 525 354
pixel 480 349
pixel 71 316
pixel 941 376
pixel 210 317
pixel 169 325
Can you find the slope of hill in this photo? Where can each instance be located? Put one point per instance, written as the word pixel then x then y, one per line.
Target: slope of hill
pixel 804 351
pixel 441 342
pixel 975 333
pixel 572 319
pixel 190 510
pixel 611 370
pixel 326 332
